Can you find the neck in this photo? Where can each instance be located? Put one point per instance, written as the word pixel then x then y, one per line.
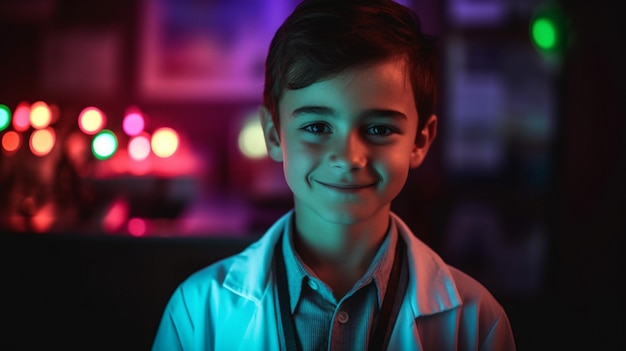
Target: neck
pixel 338 253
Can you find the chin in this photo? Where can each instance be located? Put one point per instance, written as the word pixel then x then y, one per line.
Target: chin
pixel 347 216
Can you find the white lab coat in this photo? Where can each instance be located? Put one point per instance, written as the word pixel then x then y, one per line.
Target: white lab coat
pixel 231 305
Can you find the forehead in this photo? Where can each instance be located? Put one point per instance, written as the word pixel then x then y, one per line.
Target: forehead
pixel 381 85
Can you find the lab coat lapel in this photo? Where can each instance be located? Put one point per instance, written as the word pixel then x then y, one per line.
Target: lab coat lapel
pixel 251 279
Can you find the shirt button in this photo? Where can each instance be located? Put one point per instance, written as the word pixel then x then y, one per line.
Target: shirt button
pixel 343 317
pixel 313 284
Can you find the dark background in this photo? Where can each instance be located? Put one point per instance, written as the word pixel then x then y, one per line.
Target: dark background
pixel 79 288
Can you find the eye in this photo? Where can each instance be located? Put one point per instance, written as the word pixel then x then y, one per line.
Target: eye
pixel 317 128
pixel 380 130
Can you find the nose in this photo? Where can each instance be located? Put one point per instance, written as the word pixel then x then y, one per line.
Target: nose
pixel 348 153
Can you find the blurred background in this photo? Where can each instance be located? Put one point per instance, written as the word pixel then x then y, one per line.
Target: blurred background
pixel 132 155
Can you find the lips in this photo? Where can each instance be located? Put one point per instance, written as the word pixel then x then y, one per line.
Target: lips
pixel 346 186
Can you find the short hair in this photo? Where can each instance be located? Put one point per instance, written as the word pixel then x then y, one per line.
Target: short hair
pixel 322 38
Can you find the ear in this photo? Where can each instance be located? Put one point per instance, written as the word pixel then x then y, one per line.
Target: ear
pixel 271 134
pixel 423 140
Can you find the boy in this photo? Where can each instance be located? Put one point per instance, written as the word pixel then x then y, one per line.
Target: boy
pixel 348 110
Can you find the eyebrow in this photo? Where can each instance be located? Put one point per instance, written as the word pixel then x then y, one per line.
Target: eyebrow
pixel 385 113
pixel 327 111
pixel 313 110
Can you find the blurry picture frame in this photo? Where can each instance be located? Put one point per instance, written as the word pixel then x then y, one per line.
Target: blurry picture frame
pixel 206 49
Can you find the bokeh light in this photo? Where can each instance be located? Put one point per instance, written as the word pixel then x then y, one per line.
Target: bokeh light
pixel 115 215
pixel 91 120
pixel 548 30
pixel 43 219
pixel 544 33
pixel 42 141
pixel 251 141
pixel 5 117
pixel 40 115
pixel 136 227
pixel 11 141
pixel 104 144
pixel 164 142
pixel 139 147
pixel 21 117
pixel 133 123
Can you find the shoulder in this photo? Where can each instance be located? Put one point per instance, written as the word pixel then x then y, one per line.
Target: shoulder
pixel 213 274
pixel 452 287
pixel 473 292
pixel 481 310
pixel 208 306
pixel 193 293
pixel 245 273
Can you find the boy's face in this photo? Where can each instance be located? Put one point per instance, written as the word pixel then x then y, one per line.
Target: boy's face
pixel 347 143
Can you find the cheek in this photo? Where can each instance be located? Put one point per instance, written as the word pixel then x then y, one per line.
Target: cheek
pixel 299 159
pixel 394 166
pixel 302 153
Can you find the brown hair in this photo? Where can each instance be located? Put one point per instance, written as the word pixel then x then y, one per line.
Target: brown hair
pixel 322 38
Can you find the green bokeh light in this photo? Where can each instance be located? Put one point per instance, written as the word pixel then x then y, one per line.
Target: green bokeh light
pixel 5 117
pixel 104 144
pixel 544 33
pixel 549 32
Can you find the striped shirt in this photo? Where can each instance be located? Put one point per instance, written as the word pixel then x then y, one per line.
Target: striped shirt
pixel 322 322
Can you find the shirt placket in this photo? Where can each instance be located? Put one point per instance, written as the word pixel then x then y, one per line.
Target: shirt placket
pixel 350 322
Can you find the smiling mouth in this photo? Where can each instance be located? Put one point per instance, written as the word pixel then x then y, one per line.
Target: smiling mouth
pixel 346 187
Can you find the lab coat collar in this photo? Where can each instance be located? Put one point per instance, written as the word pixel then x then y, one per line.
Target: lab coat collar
pixel 431 288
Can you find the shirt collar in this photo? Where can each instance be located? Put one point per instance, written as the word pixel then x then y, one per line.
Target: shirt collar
pixel 379 270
